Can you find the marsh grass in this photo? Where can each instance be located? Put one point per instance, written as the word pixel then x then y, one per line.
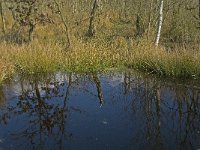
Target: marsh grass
pixel 6 69
pixel 35 57
pixel 179 63
pixel 89 56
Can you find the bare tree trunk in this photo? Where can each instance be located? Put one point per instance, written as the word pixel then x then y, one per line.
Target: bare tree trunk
pixel 139 24
pixel 160 22
pixel 199 13
pixel 91 29
pixel 65 25
pixel 2 17
pixel 124 8
pixel 31 29
pixel 150 19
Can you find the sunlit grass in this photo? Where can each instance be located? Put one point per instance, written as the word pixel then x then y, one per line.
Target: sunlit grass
pixel 177 63
pixel 89 56
pixel 6 69
pixel 36 58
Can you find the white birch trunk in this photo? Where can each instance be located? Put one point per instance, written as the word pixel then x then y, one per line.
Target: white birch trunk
pixel 160 22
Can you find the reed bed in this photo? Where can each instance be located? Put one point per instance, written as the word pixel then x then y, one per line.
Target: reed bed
pixel 178 63
pixel 38 57
pixel 34 58
pixel 89 57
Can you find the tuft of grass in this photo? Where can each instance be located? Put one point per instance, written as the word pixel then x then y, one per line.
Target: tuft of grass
pixel 6 69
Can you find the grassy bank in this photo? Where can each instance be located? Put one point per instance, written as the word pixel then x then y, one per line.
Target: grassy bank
pixel 6 69
pixel 87 57
pixel 179 63
pixel 39 57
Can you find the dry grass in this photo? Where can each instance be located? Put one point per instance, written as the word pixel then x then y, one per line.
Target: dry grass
pixel 6 69
pixel 88 57
pixel 177 63
pixel 34 58
pixel 92 57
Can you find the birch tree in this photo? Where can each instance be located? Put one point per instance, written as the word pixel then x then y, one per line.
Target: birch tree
pixel 160 21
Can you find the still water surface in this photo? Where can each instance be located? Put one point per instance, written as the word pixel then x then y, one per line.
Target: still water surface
pixel 117 111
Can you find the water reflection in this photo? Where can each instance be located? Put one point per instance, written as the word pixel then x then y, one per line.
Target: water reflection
pixel 101 111
pixel 98 86
pixel 2 96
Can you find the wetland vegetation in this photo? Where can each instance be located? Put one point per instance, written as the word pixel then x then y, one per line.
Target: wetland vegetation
pixel 155 36
pixel 99 74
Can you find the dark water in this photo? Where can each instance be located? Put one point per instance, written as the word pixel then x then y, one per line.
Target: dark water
pixel 117 111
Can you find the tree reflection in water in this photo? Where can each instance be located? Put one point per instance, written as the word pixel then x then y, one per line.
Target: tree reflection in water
pixel 45 116
pixel 2 96
pixel 171 112
pixel 167 114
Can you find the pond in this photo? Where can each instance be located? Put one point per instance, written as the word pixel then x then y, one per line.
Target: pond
pixel 115 110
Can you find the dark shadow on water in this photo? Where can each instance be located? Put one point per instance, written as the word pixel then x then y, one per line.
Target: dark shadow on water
pixel 99 111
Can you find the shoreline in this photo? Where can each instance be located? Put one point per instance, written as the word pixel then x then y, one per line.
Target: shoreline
pixel 40 58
